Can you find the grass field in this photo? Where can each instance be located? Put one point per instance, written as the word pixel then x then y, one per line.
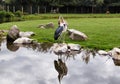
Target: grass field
pixel 102 32
pixel 55 16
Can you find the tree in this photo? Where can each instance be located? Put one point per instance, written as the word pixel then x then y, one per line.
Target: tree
pixel 43 3
pixel 8 2
pixel 96 3
pixel 89 4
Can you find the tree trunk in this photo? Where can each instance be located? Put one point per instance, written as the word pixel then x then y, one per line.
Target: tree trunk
pixel 8 8
pixel 30 9
pixel 14 9
pixel 92 9
pixel 51 11
pixel 67 9
pixel 81 9
pixel 3 7
pixel 22 9
pixel 38 9
pixel 45 9
pixel 75 10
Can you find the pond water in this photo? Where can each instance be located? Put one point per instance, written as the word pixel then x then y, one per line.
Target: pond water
pixel 36 64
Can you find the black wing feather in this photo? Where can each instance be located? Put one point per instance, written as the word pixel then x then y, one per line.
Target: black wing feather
pixel 58 32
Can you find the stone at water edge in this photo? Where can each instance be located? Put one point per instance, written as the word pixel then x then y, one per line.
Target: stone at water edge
pixel 74 47
pixel 13 33
pixel 115 53
pixel 102 52
pixel 23 40
pixel 60 47
pixel 63 47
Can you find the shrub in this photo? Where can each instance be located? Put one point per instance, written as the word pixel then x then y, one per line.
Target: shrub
pixel 1 8
pixel 9 16
pixel 6 16
pixel 2 16
pixel 18 13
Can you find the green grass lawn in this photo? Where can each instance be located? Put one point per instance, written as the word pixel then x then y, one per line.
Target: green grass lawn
pixel 103 33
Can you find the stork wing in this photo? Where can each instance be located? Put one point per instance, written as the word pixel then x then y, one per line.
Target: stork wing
pixel 58 32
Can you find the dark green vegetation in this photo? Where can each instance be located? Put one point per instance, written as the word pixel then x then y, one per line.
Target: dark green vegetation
pixel 9 16
pixel 103 33
pixel 62 6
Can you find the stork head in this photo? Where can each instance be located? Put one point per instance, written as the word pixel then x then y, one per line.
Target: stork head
pixel 62 22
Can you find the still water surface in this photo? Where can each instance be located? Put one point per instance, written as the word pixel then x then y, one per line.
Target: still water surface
pixel 33 64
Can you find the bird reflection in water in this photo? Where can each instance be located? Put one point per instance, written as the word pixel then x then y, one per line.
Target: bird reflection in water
pixel 61 68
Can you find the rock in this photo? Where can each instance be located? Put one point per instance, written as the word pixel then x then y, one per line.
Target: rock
pixel 102 52
pixel 26 34
pixel 115 53
pixel 23 40
pixel 72 53
pixel 1 33
pixel 41 26
pixel 66 49
pixel 76 35
pixel 48 25
pixel 60 48
pixel 13 33
pixel 74 47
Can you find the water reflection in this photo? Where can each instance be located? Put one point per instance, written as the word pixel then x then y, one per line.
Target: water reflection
pixel 68 54
pixel 86 56
pixel 11 46
pixel 36 64
pixel 1 40
pixel 41 47
pixel 116 62
pixel 61 68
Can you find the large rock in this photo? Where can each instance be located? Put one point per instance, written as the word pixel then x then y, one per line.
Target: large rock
pixel 60 48
pixel 48 25
pixel 115 53
pixel 74 47
pixel 76 35
pixel 23 40
pixel 26 34
pixel 102 52
pixel 13 33
pixel 66 49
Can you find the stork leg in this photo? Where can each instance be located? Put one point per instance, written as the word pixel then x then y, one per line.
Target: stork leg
pixel 64 35
pixel 60 39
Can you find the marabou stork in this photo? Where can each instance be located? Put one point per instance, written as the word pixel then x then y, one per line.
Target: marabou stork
pixel 61 29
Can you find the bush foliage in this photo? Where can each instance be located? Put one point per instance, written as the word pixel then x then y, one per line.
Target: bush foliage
pixel 9 16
